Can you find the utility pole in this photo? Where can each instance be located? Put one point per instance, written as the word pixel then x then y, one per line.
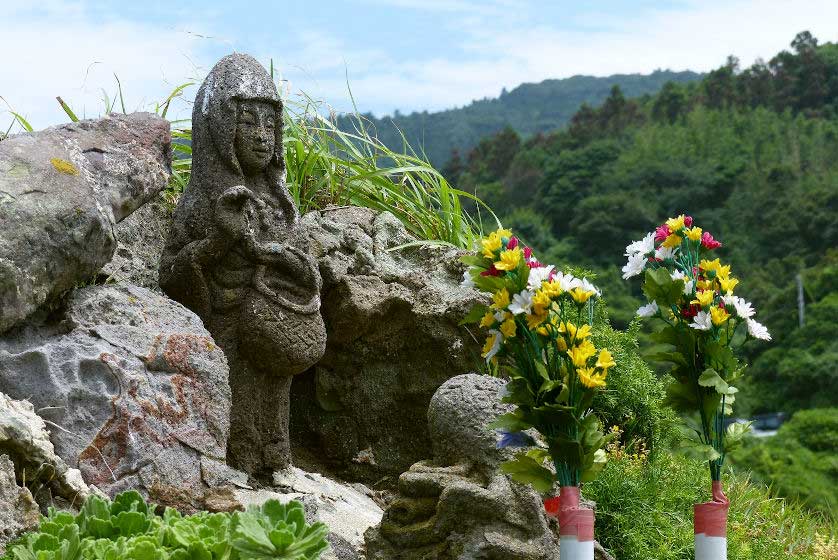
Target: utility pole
pixel 800 302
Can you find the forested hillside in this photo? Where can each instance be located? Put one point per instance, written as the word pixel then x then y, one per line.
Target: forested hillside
pixel 752 153
pixel 527 109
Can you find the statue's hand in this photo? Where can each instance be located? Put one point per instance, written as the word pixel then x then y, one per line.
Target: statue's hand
pixel 230 215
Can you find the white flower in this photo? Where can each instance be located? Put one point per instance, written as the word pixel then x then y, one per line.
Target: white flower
pixel 521 303
pixel 567 281
pixel 688 284
pixel 500 316
pixel 589 287
pixel 744 309
pixel 538 276
pixel 635 265
pixel 648 310
pixel 498 339
pixel 702 321
pixel 642 247
pixel 467 281
pixel 758 330
pixel 664 253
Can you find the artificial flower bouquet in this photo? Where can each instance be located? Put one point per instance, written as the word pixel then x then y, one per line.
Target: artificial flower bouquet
pixel 539 327
pixel 692 295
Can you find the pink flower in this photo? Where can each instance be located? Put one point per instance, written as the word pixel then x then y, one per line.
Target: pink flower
pixel 688 221
pixel 661 233
pixel 527 253
pixel 492 271
pixel 708 241
pixel 534 264
pixel 513 242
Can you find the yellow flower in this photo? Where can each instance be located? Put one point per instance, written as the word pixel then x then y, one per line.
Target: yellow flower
pixel 710 266
pixel 491 245
pixel 578 356
pixel 605 360
pixel 540 302
pixel 488 320
pixel 724 271
pixel 551 288
pixel 581 295
pixel 576 333
pixel 590 378
pixel 719 315
pixel 561 344
pixel 703 284
pixel 508 328
pixel 674 224
pixel 704 298
pixel 490 343
pixel 694 233
pixel 509 259
pixel 728 284
pixel 671 241
pixel 546 329
pixel 536 319
pixel 501 299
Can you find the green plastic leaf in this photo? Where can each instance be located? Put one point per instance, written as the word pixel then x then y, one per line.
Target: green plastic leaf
pixel 711 378
pixel 526 470
pixel 474 315
pixel 659 286
pixel 511 422
pixel 735 434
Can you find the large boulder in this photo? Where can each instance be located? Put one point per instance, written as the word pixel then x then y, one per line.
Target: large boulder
pixel 25 440
pixel 18 511
pixel 62 190
pixel 134 388
pixel 392 339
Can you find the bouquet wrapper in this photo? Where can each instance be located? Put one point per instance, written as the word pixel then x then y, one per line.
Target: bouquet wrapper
pixel 711 526
pixel 576 527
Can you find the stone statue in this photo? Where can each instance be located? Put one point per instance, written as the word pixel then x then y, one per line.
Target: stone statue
pixel 459 506
pixel 238 257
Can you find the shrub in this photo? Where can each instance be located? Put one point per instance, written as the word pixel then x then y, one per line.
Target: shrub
pixel 128 528
pixel 801 461
pixel 644 510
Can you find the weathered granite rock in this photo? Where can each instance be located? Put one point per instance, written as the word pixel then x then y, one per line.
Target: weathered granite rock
pixel 459 505
pixel 134 388
pixel 24 438
pixel 18 511
pixel 238 256
pixel 140 239
pixel 393 339
pixel 348 510
pixel 62 191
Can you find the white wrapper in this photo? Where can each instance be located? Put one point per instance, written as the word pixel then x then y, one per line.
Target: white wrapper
pixel 572 549
pixel 710 548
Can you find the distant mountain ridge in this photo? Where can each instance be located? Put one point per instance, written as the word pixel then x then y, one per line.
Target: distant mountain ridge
pixel 528 109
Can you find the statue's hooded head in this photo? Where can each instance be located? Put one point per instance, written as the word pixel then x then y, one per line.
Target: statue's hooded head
pixel 234 80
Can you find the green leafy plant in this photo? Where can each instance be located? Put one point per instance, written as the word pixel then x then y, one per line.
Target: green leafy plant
pixel 128 528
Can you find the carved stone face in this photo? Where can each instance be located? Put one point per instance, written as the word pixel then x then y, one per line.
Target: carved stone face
pixel 255 135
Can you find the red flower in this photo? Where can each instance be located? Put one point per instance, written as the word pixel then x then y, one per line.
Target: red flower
pixel 534 264
pixel 552 506
pixel 513 242
pixel 662 233
pixel 708 241
pixel 688 221
pixel 527 253
pixel 691 311
pixel 492 271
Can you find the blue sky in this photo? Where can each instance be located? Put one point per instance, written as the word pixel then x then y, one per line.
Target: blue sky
pixel 398 54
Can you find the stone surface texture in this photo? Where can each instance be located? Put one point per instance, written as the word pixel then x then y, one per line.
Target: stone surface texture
pixel 25 440
pixel 140 239
pixel 62 190
pixel 348 510
pixel 458 505
pixel 238 256
pixel 134 389
pixel 393 339
pixel 18 511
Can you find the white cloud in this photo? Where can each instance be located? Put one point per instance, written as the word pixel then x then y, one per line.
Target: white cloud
pixel 62 50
